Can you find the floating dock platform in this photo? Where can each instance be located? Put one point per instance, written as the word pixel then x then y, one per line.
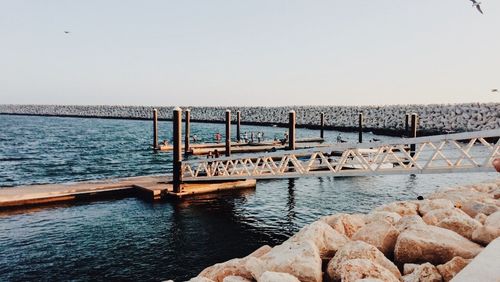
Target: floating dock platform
pixel 150 188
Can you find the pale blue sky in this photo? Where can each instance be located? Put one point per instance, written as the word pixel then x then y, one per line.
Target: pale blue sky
pixel 354 52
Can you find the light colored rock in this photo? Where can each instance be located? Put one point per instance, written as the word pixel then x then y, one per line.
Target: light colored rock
pixel 407 221
pixel 300 259
pixel 270 276
pixel 427 205
pixel 481 217
pixel 451 268
pixel 380 234
pixel 427 243
pixel 359 250
pixel 327 239
pixel 346 224
pixel 453 219
pixel 369 280
pixel 200 279
pixel 460 195
pixel 421 273
pixel 355 269
pixel 402 208
pixel 375 216
pixel 474 207
pixel 489 231
pixel 233 267
pixel 233 278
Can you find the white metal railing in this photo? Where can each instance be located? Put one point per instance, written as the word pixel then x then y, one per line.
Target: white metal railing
pixel 460 152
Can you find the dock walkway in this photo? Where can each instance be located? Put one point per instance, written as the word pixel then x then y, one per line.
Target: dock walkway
pixel 147 187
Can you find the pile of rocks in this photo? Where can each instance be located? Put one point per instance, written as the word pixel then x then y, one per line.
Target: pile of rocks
pixel 434 118
pixel 427 240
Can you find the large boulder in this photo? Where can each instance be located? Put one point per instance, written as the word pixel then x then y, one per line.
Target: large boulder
pixel 376 216
pixel 421 273
pixel 407 221
pixel 485 206
pixel 489 231
pixel 354 269
pixel 233 278
pixel 359 250
pixel 380 234
pixel 327 239
pixel 270 276
pixel 200 279
pixel 403 208
pixel 300 259
pixel 233 267
pixel 346 224
pixel 451 268
pixel 426 206
pixel 460 195
pixel 427 243
pixel 453 219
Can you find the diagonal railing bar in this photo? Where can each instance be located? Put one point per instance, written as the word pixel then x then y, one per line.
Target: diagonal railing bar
pixel 461 152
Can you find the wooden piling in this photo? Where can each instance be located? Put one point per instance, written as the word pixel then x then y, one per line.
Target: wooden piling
pixel 238 125
pixel 228 133
pixel 360 128
pixel 187 124
pixel 407 125
pixel 155 129
pixel 291 130
pixel 177 130
pixel 322 125
pixel 413 133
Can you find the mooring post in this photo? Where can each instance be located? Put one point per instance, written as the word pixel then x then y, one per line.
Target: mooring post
pixel 187 123
pixel 177 123
pixel 360 128
pixel 238 124
pixel 228 133
pixel 322 125
pixel 291 130
pixel 155 129
pixel 413 133
pixel 407 125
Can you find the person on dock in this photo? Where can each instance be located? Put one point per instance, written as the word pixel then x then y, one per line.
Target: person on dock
pixel 216 154
pixel 210 155
pixel 339 138
pixel 218 137
pixel 195 138
pixel 259 136
pixel 245 137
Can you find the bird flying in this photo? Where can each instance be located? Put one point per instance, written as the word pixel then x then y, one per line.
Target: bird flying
pixel 494 90
pixel 66 31
pixel 477 5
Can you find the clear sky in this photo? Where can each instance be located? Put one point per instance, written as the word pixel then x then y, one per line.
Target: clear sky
pixel 258 52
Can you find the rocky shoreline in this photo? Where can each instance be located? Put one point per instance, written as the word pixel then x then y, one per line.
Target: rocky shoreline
pixel 423 240
pixel 388 120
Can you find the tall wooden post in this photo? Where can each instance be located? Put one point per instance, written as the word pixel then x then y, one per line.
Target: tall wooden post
pixel 238 125
pixel 155 129
pixel 291 130
pixel 407 125
pixel 322 125
pixel 413 133
pixel 187 123
pixel 360 128
pixel 228 133
pixel 177 130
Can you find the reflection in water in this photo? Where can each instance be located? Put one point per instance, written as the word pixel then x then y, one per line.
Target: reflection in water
pixel 290 216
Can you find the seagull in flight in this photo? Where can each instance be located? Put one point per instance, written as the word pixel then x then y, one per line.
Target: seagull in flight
pixel 477 5
pixel 494 90
pixel 67 32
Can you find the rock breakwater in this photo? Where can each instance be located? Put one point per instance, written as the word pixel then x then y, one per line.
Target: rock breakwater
pixel 426 240
pixel 432 118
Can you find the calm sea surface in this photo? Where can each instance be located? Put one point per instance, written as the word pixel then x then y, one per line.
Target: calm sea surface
pixel 129 239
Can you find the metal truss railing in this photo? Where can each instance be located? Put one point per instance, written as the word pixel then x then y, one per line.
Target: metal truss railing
pixel 460 152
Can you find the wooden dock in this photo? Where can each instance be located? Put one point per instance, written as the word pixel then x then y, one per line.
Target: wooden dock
pixel 150 188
